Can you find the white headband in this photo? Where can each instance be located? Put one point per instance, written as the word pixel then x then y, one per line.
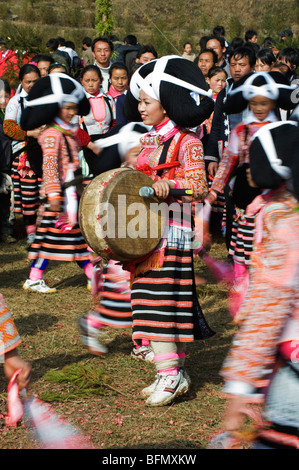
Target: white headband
pixel 58 95
pixel 126 138
pixel 265 138
pixel 269 90
pixel 151 83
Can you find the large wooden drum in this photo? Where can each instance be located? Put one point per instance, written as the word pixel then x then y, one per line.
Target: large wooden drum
pixel 115 221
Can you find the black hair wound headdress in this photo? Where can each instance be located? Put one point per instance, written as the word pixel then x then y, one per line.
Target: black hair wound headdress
pixel 178 84
pixel 274 156
pixel 272 85
pixel 47 95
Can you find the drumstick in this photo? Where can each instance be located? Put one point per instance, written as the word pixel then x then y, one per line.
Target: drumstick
pixel 147 191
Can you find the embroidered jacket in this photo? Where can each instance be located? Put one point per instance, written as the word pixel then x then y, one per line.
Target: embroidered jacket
pixel 190 172
pixel 56 159
pixel 236 153
pixel 271 300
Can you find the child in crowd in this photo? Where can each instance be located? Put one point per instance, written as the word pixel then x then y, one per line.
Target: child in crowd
pixel 262 363
pixel 58 235
pixel 110 286
pixel 262 92
pixel 101 117
pixel 216 79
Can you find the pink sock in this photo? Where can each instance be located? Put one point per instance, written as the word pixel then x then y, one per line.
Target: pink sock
pixel 239 270
pixel 170 371
pixel 143 342
pixel 36 274
pixel 30 229
pixel 88 270
pixel 93 320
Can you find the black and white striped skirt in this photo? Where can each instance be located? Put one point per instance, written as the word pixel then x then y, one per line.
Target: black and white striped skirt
pixel 26 191
pixel 242 238
pixel 115 297
pixel 53 244
pixel 164 302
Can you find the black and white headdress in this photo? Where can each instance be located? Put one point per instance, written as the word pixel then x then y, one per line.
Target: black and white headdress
pixel 272 85
pixel 274 156
pixel 47 95
pixel 178 84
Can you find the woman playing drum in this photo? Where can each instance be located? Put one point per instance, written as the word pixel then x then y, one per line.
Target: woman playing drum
pixel 169 94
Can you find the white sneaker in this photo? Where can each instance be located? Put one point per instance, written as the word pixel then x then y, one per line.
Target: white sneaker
pixel 145 353
pixel 38 286
pixel 167 389
pixel 147 391
pixel 30 238
pixel 90 327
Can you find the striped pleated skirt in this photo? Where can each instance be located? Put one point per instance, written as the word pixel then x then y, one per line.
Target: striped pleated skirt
pixel 53 244
pixel 164 302
pixel 26 191
pixel 115 297
pixel 242 238
pixel 219 205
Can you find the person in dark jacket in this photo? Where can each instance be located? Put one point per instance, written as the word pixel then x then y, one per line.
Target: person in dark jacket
pixel 241 62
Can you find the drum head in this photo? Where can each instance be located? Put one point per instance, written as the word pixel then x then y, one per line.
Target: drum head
pixel 115 221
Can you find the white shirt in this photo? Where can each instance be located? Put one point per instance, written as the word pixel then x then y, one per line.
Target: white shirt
pixel 105 75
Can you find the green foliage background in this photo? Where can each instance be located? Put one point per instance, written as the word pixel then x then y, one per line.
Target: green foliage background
pixel 166 25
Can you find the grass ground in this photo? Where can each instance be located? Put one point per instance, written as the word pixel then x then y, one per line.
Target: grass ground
pixel 118 418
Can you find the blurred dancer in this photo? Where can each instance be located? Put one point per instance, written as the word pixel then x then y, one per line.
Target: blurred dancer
pixel 263 363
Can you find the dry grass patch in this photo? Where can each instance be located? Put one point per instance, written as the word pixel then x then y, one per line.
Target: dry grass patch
pixel 117 418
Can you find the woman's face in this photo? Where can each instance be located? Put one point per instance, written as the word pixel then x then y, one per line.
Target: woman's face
pixel 217 82
pixel 151 111
pixel 43 67
pixel 91 82
pixel 67 112
pixel 29 80
pixel 119 80
pixel 261 67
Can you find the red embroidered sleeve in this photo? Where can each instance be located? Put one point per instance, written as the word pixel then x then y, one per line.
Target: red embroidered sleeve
pixel 191 174
pixel 50 146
